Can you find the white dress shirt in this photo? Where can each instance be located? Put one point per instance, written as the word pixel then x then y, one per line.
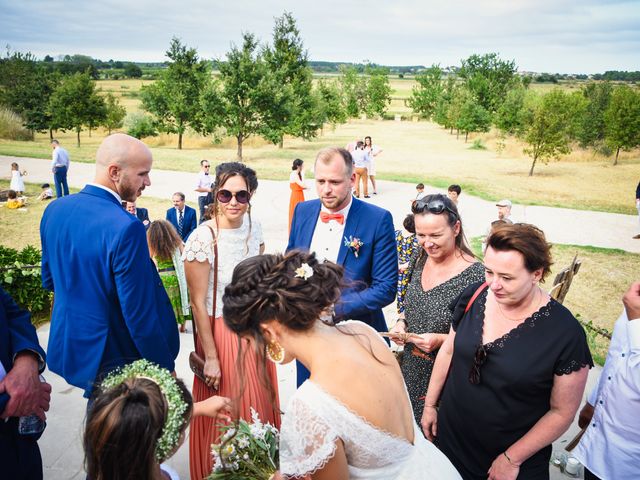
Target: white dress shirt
pixel 327 237
pixel 361 158
pixel 108 190
pixel 3 372
pixel 610 447
pixel 59 158
pixel 204 181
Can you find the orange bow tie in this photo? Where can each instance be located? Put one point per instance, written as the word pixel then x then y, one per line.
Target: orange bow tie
pixel 326 217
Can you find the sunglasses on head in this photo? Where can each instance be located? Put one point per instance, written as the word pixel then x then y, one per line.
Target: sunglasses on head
pixel 478 360
pixel 435 206
pixel 225 196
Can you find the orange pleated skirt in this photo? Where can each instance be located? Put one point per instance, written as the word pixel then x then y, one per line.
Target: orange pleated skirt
pixel 297 196
pixel 204 430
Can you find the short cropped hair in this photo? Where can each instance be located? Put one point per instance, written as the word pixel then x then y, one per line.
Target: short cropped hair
pixel 526 239
pixel 326 154
pixel 454 188
pixel 420 186
pixel 179 194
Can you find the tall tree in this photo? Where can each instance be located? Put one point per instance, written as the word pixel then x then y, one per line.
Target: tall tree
pixel 330 107
pixel 511 116
pixel 246 99
pixel 288 61
pixel 174 99
pixel 622 120
pixel 473 117
pixel 548 127
pixel 427 93
pixel 75 104
pixel 377 91
pixel 353 88
pixel 592 127
pixel 489 78
pixel 115 113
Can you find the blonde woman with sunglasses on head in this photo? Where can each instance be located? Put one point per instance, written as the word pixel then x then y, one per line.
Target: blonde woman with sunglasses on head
pixel 237 237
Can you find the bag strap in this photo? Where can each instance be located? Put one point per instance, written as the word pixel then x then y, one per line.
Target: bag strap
pixel 476 294
pixel 215 283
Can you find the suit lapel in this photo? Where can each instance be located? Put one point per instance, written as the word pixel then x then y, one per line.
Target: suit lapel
pixel 353 219
pixel 309 226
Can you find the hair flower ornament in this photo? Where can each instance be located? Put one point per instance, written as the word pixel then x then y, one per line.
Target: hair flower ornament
pixel 304 271
pixel 353 244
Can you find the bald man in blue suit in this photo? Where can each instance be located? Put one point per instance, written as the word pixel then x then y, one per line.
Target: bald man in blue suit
pixel 110 307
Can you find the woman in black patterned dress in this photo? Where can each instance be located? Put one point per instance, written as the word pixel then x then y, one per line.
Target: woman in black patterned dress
pixel 438 272
pixel 515 366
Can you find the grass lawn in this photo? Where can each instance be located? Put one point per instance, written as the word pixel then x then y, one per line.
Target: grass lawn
pixel 595 295
pixel 21 227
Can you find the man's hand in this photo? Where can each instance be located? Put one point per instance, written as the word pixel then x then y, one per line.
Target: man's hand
pixel 28 395
pixel 631 301
pixel 586 414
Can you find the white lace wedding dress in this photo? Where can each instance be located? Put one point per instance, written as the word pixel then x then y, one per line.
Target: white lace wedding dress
pixel 314 420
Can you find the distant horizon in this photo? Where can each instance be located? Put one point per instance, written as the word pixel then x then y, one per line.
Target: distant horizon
pixel 544 36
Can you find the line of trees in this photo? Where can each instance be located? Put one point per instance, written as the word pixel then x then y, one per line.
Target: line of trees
pixel 487 92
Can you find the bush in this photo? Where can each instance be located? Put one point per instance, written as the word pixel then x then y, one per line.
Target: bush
pixel 477 145
pixel 11 126
pixel 140 126
pixel 22 283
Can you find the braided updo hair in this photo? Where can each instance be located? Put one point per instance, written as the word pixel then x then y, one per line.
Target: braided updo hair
pixel 265 287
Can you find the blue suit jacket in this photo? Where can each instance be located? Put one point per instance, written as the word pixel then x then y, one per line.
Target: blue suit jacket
pixel 17 334
pixel 143 214
pixel 110 307
pixel 189 223
pixel 374 272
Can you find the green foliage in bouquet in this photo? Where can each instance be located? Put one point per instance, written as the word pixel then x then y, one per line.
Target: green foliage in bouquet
pixel 20 277
pixel 247 451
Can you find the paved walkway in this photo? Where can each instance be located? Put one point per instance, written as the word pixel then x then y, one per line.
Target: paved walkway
pixel 61 443
pixel 271 206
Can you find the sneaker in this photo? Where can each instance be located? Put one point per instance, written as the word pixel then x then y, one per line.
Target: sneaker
pixel 367 196
pixel 375 193
pixel 636 236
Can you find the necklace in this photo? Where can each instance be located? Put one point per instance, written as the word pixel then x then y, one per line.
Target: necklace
pixel 519 319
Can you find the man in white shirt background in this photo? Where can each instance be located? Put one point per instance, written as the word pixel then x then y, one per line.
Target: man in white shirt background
pixel 610 446
pixel 204 186
pixel 60 168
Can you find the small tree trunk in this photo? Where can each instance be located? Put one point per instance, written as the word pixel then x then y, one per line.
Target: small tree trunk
pixel 451 131
pixel 89 131
pixel 457 133
pixel 466 137
pixel 78 134
pixel 179 140
pixel 240 138
pixel 51 134
pixel 109 130
pixel 535 158
pixel 615 160
pixel 281 144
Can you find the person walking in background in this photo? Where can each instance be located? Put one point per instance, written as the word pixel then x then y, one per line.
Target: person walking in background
pixel 203 187
pixel 638 207
pixel 17 182
pixel 210 255
pixel 518 363
pixel 361 161
pixel 297 186
pixel 453 192
pixel 21 392
pixel 60 168
pixel 373 151
pixel 165 249
pixel 406 244
pixel 182 216
pixel 110 306
pixel 355 234
pixel 610 446
pixel 437 273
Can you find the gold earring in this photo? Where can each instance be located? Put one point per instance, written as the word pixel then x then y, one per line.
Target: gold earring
pixel 275 352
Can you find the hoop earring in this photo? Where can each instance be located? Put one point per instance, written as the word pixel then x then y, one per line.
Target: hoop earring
pixel 275 352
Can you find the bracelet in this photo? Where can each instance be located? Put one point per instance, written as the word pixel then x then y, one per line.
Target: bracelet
pixel 515 465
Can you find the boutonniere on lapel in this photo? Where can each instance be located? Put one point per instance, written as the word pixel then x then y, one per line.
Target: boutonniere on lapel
pixel 353 244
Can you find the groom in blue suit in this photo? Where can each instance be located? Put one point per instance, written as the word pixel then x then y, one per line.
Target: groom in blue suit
pixel 110 307
pixel 355 234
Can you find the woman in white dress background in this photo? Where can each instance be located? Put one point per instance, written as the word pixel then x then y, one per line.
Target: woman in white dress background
pixel 352 418
pixel 373 151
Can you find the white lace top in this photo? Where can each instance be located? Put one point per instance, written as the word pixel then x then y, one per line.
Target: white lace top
pixel 233 247
pixel 315 420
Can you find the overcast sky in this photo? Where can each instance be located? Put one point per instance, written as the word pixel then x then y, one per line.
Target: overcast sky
pixel 564 36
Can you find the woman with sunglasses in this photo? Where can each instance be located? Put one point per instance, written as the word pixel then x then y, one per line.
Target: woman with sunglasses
pixel 237 237
pixel 438 272
pixel 510 376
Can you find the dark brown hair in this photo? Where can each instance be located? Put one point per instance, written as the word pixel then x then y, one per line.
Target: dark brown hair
pixel 122 428
pixel 409 223
pixel 162 239
pixel 12 194
pixel 526 239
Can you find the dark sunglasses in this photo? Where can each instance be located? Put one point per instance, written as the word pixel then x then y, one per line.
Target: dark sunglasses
pixel 225 196
pixel 435 206
pixel 479 359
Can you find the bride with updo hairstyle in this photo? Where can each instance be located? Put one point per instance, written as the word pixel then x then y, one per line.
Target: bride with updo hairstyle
pixel 352 418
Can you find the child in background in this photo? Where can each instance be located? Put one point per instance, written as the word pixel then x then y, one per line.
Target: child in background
pixel 421 193
pixel 13 200
pixel 17 183
pixel 46 193
pixel 138 421
pixel 453 192
pixel 406 244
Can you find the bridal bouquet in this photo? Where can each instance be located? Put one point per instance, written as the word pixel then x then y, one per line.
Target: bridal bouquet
pixel 246 451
